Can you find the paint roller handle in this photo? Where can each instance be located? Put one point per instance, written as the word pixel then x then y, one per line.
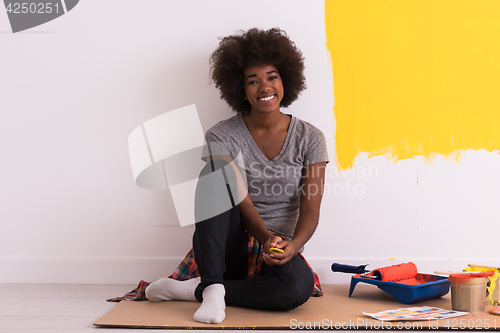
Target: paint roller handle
pixel 449 272
pixel 349 268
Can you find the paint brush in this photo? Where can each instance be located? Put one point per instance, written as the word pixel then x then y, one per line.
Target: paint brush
pixel 483 266
pixel 459 272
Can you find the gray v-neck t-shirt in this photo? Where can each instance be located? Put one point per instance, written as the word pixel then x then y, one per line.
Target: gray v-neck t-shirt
pixel 274 185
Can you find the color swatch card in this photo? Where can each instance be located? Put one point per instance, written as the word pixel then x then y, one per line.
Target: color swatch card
pixel 416 313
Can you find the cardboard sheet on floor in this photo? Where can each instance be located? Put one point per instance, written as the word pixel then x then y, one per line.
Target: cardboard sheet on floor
pixel 332 310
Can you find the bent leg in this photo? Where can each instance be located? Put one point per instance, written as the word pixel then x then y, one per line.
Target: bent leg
pixel 219 244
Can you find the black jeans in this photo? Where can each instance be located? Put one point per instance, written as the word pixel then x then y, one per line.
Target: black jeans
pixel 220 249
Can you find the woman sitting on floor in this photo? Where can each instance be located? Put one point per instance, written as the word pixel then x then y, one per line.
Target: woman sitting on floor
pixel 258 72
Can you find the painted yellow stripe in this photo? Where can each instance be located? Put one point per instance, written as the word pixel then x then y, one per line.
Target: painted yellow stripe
pixel 414 77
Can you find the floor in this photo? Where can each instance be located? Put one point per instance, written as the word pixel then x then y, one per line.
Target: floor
pixel 55 308
pixel 44 308
pixel 27 308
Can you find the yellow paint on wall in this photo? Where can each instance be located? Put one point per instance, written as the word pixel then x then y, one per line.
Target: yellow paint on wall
pixel 414 77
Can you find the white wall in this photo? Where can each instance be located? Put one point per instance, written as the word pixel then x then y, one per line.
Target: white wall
pixel 73 89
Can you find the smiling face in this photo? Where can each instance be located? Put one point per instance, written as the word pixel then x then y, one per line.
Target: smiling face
pixel 263 88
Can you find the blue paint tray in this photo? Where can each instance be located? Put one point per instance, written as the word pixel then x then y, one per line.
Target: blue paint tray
pixel 436 287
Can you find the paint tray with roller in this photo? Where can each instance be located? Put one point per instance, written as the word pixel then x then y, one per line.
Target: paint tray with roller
pixel 401 281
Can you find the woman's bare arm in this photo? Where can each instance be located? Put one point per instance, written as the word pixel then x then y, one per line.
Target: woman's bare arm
pixel 311 190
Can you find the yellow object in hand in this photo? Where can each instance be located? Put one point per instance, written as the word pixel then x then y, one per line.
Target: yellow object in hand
pixel 275 250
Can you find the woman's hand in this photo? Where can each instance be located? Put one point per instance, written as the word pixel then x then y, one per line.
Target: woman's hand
pixel 276 259
pixel 272 241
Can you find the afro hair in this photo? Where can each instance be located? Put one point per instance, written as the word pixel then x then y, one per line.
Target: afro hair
pixel 256 47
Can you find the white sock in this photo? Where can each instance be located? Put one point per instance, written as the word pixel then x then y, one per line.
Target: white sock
pixel 166 289
pixel 213 307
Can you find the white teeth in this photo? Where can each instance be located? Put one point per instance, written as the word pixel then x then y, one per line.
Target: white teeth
pixel 267 98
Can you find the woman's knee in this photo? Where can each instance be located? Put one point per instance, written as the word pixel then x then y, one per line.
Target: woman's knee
pixel 302 287
pixel 298 284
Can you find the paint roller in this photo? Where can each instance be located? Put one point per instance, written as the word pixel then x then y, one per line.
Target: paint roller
pixel 392 273
pixel 396 273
